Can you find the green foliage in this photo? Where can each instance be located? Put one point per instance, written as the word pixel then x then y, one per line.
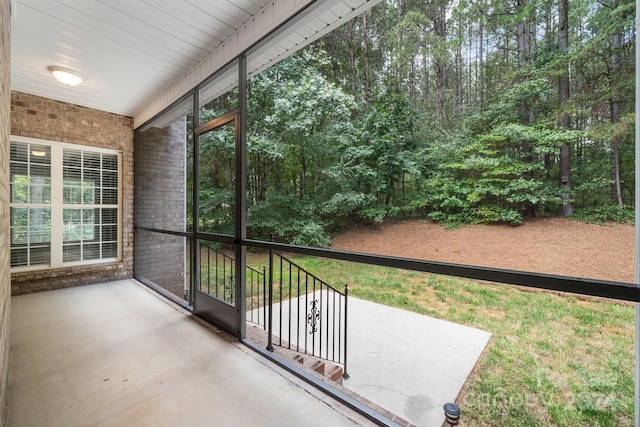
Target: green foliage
pixel 489 214
pixel 290 219
pixel 396 114
pixel 345 207
pixel 217 210
pixel 491 178
pixel 607 213
pixel 385 147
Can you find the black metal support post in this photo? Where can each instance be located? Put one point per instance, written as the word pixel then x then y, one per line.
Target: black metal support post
pixel 270 322
pixel 345 375
pixel 264 297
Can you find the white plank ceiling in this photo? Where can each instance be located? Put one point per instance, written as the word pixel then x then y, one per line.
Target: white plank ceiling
pixel 140 55
pixel 129 50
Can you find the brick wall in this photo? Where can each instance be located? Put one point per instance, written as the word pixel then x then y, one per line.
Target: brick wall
pixel 160 204
pixel 5 279
pixel 36 117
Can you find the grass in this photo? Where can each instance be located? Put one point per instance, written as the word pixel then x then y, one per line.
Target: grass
pixel 552 359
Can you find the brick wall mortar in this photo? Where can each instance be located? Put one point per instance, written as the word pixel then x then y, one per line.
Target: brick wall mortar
pixel 36 117
pixel 5 278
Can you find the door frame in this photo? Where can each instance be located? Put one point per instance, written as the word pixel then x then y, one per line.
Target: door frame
pixel 230 318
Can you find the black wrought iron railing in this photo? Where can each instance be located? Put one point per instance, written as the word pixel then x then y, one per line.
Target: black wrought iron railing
pixel 257 296
pixel 217 278
pixel 217 274
pixel 307 314
pixel 299 311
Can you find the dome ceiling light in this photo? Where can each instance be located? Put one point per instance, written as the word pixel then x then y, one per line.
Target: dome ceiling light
pixel 66 76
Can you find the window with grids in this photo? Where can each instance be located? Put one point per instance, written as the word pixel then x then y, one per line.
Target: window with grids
pixel 64 204
pixel 90 205
pixel 30 187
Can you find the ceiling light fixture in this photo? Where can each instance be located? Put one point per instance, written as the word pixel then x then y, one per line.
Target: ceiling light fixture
pixel 38 153
pixel 66 76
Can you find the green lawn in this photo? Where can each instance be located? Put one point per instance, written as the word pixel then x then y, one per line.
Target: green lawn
pixel 552 359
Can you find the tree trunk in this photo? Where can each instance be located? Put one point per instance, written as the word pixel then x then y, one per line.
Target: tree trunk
pixel 526 114
pixel 352 58
pixel 565 119
pixel 459 70
pixel 440 29
pixel 425 76
pixel 412 81
pixel 522 52
pixel 614 107
pixel 469 70
pixel 480 64
pixel 352 64
pixel 365 54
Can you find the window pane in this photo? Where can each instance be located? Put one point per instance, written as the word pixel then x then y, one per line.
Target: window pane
pixel 82 226
pixel 91 251
pixel 19 235
pixel 39 154
pixel 39 225
pixel 110 196
pixel 109 233
pixel 19 182
pixel 19 217
pixel 72 195
pixel 217 180
pixel 110 162
pixel 88 232
pixel 91 177
pixel 88 195
pixel 40 255
pixel 109 216
pixel 91 160
pixel 88 221
pixel 72 158
pixel 72 176
pixel 19 257
pixel 71 253
pixel 30 168
pixel 40 194
pixel 19 152
pixel 19 193
pixel 30 236
pixel 41 171
pixel 72 225
pixel 19 172
pixel 109 250
pixel 110 179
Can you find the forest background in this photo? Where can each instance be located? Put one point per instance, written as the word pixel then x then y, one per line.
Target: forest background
pixel 490 111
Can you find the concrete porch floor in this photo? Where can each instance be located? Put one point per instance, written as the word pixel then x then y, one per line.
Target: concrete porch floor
pixel 117 354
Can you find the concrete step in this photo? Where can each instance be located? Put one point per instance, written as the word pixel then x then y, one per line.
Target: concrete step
pixel 327 370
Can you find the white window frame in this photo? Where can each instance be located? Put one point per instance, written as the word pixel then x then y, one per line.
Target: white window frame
pixel 57 205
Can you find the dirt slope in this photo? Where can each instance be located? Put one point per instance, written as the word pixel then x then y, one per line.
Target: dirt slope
pixel 553 246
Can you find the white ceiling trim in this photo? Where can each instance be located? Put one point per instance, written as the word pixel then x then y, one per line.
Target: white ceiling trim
pixel 304 31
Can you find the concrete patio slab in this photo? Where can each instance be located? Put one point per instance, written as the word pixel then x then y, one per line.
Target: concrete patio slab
pixel 117 354
pixel 407 363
